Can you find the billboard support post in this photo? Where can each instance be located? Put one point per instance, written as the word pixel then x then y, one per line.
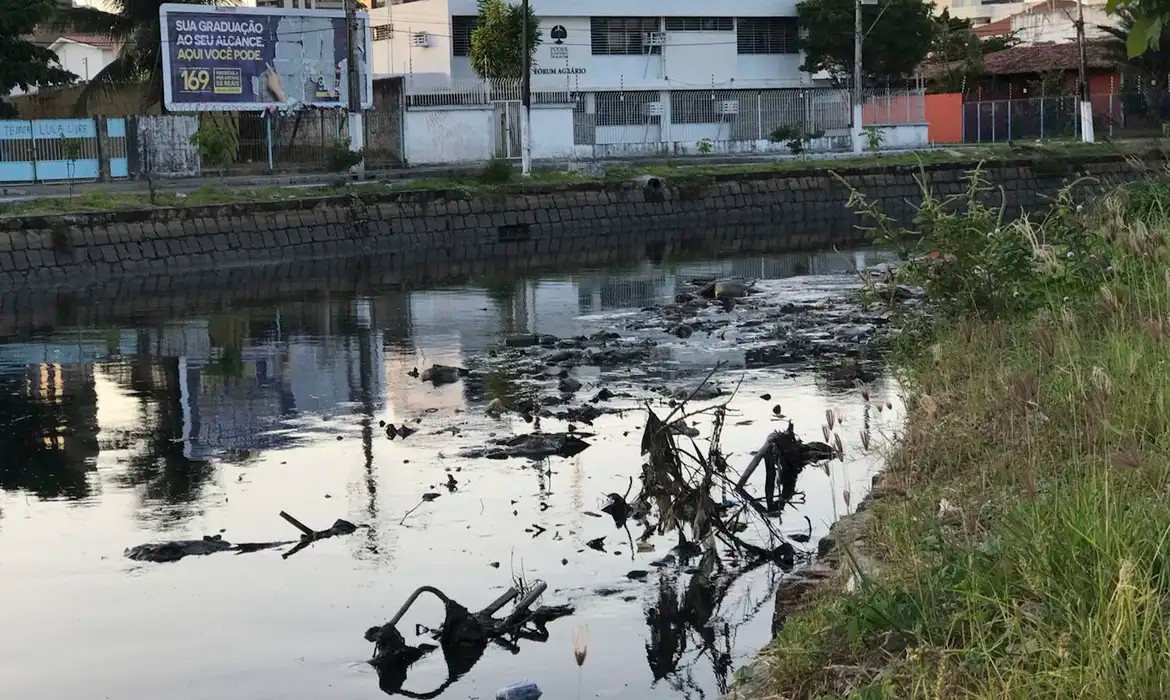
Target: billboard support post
pixel 357 131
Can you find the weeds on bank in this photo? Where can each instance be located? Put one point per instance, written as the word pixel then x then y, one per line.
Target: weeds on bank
pixel 1027 551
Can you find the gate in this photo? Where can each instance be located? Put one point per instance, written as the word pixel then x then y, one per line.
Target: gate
pixel 507 121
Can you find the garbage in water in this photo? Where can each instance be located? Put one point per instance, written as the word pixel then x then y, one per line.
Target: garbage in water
pixel 534 445
pixel 462 636
pixel 524 690
pixel 165 552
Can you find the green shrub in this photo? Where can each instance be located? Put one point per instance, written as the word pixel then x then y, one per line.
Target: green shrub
pixel 971 259
pixel 875 138
pixel 498 171
pixel 795 137
pixel 216 142
pixel 340 158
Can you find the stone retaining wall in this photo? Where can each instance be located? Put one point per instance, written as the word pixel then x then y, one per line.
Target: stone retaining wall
pixel 453 232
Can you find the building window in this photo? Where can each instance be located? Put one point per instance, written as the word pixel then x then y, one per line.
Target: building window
pixel 382 32
pixel 461 28
pixel 699 24
pixel 627 108
pixel 770 35
pixel 622 36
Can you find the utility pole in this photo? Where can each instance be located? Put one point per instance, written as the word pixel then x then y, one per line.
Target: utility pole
pixel 357 133
pixel 525 96
pixel 858 97
pixel 1084 104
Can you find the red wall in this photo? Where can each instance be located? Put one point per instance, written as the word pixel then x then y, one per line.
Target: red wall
pixel 944 118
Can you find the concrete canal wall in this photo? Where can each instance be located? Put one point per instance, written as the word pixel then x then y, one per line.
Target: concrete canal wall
pixel 438 233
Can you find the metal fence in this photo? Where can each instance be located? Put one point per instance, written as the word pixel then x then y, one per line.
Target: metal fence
pixel 48 150
pixel 892 106
pixel 1114 115
pixel 731 116
pixel 306 139
pixel 438 91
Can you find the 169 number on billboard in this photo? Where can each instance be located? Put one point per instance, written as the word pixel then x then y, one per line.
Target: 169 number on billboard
pixel 195 80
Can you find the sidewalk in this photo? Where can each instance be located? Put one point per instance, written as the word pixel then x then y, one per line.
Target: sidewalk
pixel 23 192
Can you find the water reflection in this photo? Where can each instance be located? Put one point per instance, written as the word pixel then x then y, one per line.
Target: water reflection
pixel 227 384
pixel 48 430
pixel 158 426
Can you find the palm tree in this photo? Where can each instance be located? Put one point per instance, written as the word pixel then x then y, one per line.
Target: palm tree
pixel 1147 74
pixel 133 25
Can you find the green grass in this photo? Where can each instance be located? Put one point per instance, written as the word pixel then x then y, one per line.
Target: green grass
pixel 1047 431
pixel 94 200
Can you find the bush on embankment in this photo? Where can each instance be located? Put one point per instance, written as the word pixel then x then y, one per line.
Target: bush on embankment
pixel 1025 545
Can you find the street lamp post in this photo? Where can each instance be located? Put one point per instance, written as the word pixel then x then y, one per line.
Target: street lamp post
pixel 1084 104
pixel 857 93
pixel 525 95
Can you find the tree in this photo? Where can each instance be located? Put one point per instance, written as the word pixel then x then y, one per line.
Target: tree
pixel 897 39
pixel 1147 72
pixel 956 53
pixel 1153 62
pixel 1148 22
pixel 496 50
pixel 134 25
pixel 23 64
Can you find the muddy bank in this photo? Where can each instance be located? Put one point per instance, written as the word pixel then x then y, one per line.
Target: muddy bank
pixel 842 555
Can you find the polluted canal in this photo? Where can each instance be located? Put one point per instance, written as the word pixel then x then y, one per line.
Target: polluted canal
pixel 237 504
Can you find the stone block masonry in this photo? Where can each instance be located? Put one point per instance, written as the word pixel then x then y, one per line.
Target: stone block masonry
pixel 434 233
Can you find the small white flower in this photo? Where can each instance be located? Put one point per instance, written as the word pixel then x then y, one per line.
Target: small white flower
pixel 1070 255
pixel 1067 299
pixel 1080 207
pixel 1016 293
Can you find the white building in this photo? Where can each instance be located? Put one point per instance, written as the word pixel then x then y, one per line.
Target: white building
pixel 1048 22
pixel 84 55
pixel 608 44
pixel 615 79
pixel 304 4
pixel 982 12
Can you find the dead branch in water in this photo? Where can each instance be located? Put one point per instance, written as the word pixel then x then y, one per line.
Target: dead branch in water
pixel 681 483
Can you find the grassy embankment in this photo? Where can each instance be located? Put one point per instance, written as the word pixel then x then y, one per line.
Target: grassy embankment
pixel 1025 540
pixel 494 180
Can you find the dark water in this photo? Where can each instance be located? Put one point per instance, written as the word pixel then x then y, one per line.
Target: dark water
pixel 115 436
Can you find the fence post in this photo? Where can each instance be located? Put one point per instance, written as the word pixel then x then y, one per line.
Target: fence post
pixel 32 132
pixel 1111 120
pixel 993 121
pixel 978 122
pixel 99 125
pixel 268 138
pixel 759 117
pixel 1042 117
pixel 1009 124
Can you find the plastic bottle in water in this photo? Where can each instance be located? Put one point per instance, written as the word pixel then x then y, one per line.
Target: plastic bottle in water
pixel 524 690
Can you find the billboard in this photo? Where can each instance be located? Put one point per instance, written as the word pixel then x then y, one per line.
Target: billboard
pixel 252 58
